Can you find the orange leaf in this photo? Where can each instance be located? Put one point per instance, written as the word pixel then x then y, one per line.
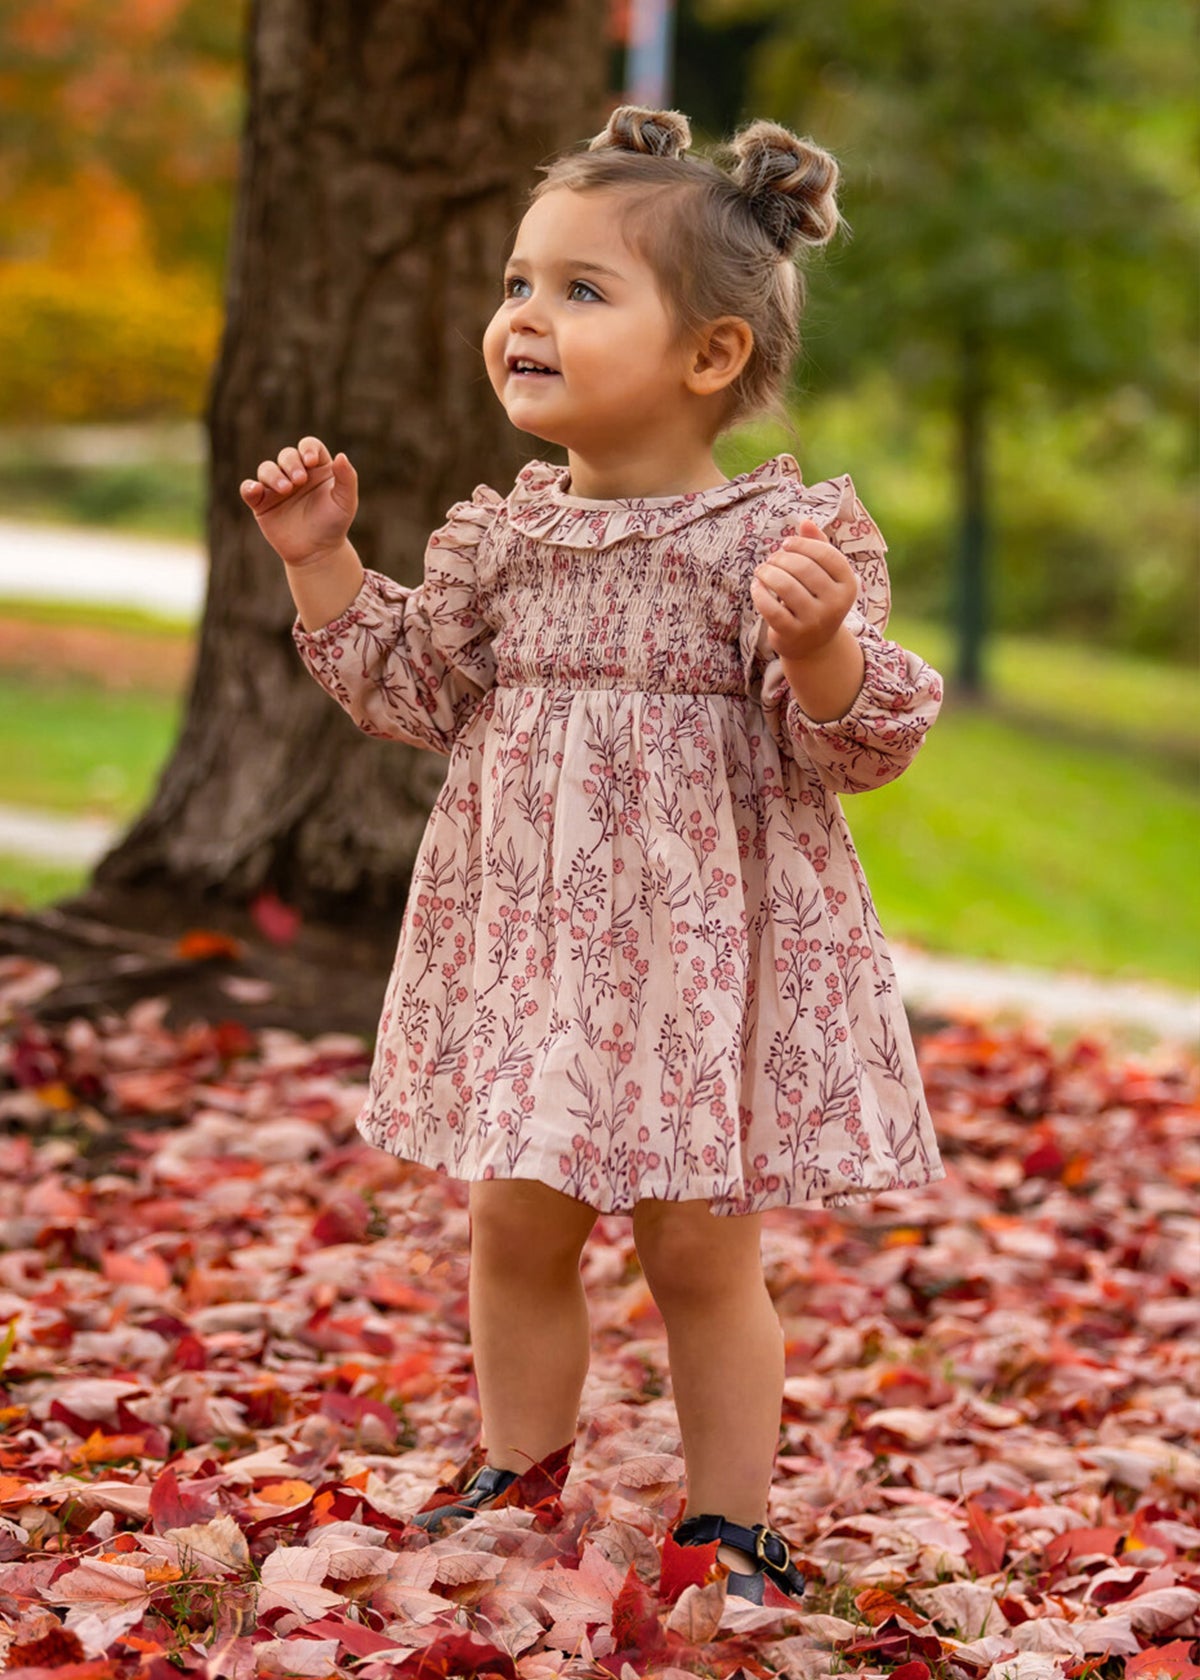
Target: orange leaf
pixel 56 1095
pixel 877 1605
pixel 151 1271
pixel 102 1449
pixel 904 1236
pixel 13 1491
pixel 1168 1662
pixel 284 1495
pixel 203 944
pixel 163 1571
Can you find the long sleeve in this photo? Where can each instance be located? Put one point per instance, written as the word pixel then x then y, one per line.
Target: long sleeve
pixel 411 664
pixel 901 695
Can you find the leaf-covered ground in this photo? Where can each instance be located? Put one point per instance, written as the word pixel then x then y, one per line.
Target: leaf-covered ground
pixel 234 1361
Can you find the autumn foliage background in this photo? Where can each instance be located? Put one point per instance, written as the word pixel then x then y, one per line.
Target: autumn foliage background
pixel 119 128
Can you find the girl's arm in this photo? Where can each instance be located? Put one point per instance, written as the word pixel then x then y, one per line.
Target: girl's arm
pixel 406 664
pixel 324 587
pixel 855 705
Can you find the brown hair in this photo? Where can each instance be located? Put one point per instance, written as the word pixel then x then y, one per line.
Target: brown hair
pixel 720 241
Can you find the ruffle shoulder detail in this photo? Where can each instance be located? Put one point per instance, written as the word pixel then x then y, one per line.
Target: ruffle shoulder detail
pixel 450 592
pixel 539 505
pixel 835 506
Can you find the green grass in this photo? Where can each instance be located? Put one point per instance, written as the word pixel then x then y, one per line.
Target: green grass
pixel 94 615
pixel 70 745
pixel 25 883
pixel 1102 695
pixel 1001 841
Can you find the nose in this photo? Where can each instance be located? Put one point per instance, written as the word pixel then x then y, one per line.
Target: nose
pixel 527 314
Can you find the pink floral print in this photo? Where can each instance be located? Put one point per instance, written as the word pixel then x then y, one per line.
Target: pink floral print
pixel 639 957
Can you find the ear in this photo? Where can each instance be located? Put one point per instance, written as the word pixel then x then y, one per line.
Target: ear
pixel 721 351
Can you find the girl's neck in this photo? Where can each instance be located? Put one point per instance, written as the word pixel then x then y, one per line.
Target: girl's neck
pixel 641 475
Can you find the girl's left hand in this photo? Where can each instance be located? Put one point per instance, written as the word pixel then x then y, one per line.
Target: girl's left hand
pixel 803 591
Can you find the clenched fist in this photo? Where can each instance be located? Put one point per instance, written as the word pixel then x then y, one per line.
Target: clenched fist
pixel 803 591
pixel 304 502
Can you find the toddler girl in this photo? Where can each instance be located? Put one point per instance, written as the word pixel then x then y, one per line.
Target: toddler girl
pixel 639 969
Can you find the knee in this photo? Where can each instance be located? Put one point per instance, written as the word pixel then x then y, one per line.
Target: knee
pixel 522 1226
pixel 690 1257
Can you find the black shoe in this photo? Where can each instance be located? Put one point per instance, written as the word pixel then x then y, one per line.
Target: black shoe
pixel 761 1542
pixel 479 1491
pixel 478 1485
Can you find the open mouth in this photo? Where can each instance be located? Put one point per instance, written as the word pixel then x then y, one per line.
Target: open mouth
pixel 524 368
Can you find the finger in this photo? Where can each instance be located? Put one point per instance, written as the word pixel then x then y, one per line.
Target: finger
pixel 313 452
pixel 829 558
pixel 800 584
pixel 251 490
pixel 274 477
pixel 778 614
pixel 290 462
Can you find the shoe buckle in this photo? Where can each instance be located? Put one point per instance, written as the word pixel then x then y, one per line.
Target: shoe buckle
pixel 762 1535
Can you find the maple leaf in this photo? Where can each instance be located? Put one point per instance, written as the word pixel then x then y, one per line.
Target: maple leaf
pixel 297 1655
pixel 174 1507
pixel 1167 1662
pixel 291 1580
pixel 218 1544
pixel 696 1614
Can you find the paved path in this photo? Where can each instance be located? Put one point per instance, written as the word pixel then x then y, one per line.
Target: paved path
pixel 69 563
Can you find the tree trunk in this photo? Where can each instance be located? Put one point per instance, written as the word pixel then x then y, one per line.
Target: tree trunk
pixel 387 152
pixel 972 592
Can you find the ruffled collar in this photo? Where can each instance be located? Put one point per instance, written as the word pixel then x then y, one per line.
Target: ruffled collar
pixel 540 506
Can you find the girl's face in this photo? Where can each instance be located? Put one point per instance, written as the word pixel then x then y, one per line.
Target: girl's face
pixel 580 302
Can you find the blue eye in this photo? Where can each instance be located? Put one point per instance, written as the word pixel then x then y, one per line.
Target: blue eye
pixel 582 285
pixel 513 280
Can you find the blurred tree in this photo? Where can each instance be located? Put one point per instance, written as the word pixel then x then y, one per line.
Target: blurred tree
pixel 388 149
pixel 118 148
pixel 118 129
pixel 1016 177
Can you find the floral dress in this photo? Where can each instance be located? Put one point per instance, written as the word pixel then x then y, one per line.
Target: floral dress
pixel 638 957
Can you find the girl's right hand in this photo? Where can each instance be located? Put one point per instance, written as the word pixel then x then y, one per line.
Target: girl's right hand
pixel 304 502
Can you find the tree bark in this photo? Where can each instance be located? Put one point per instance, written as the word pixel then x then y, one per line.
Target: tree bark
pixel 388 149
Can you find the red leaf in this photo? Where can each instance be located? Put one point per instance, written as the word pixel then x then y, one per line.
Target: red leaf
pixel 1168 1662
pixel 274 919
pixel 53 1650
pixel 1082 1542
pixel 988 1546
pixel 635 1623
pixel 915 1670
pixel 358 1640
pixel 346 1220
pixel 685 1566
pixel 351 1409
pixel 460 1655
pixel 174 1507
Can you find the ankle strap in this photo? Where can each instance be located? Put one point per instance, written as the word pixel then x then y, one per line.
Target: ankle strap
pixel 769 1548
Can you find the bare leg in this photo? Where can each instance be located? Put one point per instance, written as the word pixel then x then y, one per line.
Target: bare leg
pixel 726 1350
pixel 530 1331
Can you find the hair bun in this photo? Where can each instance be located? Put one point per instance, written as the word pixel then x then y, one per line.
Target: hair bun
pixel 635 128
pixel 791 183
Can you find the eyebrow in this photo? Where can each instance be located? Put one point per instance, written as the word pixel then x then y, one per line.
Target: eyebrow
pixel 570 262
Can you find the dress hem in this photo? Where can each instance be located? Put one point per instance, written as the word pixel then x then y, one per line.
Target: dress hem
pixel 721 1204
